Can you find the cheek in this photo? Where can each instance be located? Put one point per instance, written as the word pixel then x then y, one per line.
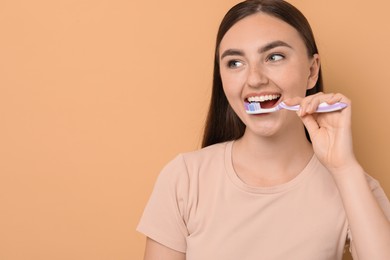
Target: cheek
pixel 292 81
pixel 232 83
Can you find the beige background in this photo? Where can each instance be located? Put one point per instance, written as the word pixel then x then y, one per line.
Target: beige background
pixel 97 95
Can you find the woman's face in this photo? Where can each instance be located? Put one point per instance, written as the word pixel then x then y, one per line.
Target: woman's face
pixel 264 58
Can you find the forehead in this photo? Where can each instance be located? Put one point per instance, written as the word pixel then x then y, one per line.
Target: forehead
pixel 259 29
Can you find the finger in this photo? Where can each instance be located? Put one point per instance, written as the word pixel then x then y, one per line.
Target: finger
pixel 316 100
pixel 339 98
pixel 307 104
pixel 310 124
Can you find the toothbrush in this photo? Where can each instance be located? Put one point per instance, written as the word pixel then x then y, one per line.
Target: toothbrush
pixel 255 108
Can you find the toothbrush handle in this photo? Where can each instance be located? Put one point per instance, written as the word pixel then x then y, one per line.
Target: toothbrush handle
pixel 322 108
pixel 325 107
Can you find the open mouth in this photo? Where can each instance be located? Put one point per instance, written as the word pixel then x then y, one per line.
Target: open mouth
pixel 265 101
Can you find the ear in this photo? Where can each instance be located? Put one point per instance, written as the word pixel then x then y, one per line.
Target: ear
pixel 315 64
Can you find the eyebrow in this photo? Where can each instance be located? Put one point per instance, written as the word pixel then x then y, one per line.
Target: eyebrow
pixel 274 44
pixel 267 47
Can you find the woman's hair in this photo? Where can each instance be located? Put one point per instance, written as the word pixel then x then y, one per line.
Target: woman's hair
pixel 222 123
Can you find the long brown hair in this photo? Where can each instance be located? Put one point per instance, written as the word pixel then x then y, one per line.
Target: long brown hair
pixel 222 123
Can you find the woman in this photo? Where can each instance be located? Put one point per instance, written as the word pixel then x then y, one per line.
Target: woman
pixel 260 188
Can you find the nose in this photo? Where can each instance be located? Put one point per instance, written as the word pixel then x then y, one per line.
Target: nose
pixel 257 77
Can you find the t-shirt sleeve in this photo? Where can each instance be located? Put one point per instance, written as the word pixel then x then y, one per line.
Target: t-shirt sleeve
pixel 382 200
pixel 164 217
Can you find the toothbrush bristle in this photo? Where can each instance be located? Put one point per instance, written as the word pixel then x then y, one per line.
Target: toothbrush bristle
pixel 251 107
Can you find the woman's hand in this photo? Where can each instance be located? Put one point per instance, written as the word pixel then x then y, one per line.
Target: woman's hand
pixel 331 136
pixel 330 133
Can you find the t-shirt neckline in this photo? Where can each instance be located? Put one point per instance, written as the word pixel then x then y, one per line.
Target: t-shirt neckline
pixel 265 190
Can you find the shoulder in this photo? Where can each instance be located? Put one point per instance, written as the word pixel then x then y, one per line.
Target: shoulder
pixel 206 155
pixel 187 164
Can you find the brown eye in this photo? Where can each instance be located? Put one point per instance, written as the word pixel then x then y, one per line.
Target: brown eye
pixel 234 64
pixel 275 57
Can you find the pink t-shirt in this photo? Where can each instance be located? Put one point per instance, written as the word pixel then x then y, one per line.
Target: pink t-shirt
pixel 199 206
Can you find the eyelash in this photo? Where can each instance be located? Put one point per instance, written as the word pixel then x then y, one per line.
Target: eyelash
pixel 272 56
pixel 232 64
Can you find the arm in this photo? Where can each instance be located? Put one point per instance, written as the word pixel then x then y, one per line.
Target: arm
pixel 331 137
pixel 369 226
pixel 157 251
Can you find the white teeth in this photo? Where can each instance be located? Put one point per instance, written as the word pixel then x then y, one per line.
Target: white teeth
pixel 263 98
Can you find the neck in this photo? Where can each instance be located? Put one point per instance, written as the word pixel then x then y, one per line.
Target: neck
pixel 269 161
